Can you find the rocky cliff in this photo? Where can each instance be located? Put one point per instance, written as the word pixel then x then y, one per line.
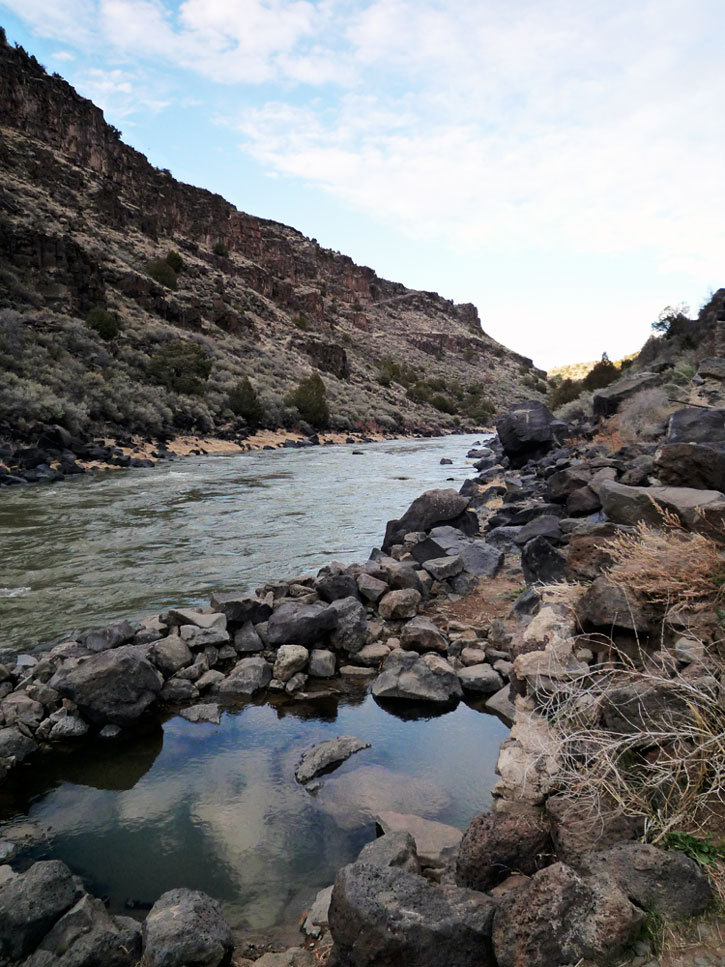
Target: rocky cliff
pixel 85 221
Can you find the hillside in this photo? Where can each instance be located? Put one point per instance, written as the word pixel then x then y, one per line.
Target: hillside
pixel 90 340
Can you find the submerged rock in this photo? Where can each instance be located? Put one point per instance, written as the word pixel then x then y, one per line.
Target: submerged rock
pixel 327 755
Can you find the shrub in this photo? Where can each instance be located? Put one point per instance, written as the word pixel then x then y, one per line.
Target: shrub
pixel 181 366
pixel 310 400
pixel 161 272
pixel 220 248
pixel 577 409
pixel 643 416
pixel 672 321
pixel 444 404
pixel 243 401
pixel 600 375
pixel 175 261
pixel 103 322
pixel 563 392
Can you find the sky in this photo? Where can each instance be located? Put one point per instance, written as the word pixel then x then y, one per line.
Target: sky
pixel 559 163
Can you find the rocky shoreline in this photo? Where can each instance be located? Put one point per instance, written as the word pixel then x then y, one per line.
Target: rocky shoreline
pixel 538 880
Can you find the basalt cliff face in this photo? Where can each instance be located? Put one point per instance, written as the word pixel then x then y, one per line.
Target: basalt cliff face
pixel 82 218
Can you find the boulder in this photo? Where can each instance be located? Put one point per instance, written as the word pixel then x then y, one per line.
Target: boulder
pixel 495 845
pixel 664 882
pixel 351 625
pixel 395 849
pixel 443 568
pixel 544 526
pixel 606 605
pixel 326 756
pixel 170 654
pixel 371 588
pixel 336 584
pixel 694 424
pixel 31 902
pixel 111 637
pixel 542 563
pixel 482 679
pixel 560 918
pixel 198 637
pixel 629 505
pixel 399 605
pixel 421 634
pixel 290 660
pixel 382 917
pixel 607 401
pixel 481 559
pixel 198 619
pixel 525 431
pixel 114 686
pixel 500 704
pixel 186 927
pixel 322 663
pixel 247 640
pixel 407 675
pixel 431 508
pixel 240 608
pixel 712 367
pixel 435 843
pixel 303 624
pixel 576 828
pixel 248 676
pixel 690 465
pixel 87 935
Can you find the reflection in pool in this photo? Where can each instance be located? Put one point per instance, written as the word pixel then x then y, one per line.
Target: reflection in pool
pixel 217 808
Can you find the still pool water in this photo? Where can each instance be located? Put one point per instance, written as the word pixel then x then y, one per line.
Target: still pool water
pixel 217 808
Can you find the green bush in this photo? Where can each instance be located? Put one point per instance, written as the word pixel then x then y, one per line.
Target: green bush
pixel 103 322
pixel 175 261
pixel 444 404
pixel 161 272
pixel 243 401
pixel 181 366
pixel 600 375
pixel 310 401
pixel 562 392
pixel 220 248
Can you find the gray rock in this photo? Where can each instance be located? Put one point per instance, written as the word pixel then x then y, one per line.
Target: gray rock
pixel 322 663
pixel 697 425
pixel 351 625
pixel 294 684
pixel 247 640
pixel 526 430
pixel 481 559
pixel 495 845
pixel 290 660
pixel 381 917
pixel 199 619
pixel 326 756
pixel 435 843
pixel 293 957
pixel 111 637
pixel 177 690
pixel 431 508
pixel 208 712
pixel 688 650
pixel 606 605
pixel 443 568
pixel 248 676
pixel 560 918
pixel 407 675
pixel 395 849
pixel 317 916
pixel 543 526
pixel 88 935
pixel 629 505
pixel 482 679
pixel 421 634
pixel 20 709
pixel 170 654
pixel 712 367
pixel 607 401
pixel 66 726
pixel 186 927
pixel 240 608
pixel 399 605
pixel 371 588
pixel 303 624
pixel 542 563
pixel 664 882
pixel 576 828
pixel 197 637
pixel 114 686
pixel 335 584
pixel 31 902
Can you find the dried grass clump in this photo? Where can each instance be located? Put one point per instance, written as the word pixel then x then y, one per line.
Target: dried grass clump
pixel 644 742
pixel 671 566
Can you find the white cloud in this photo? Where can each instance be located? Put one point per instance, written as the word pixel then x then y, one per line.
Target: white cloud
pixel 64 55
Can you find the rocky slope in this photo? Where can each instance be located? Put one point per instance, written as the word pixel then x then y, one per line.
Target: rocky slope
pixel 81 217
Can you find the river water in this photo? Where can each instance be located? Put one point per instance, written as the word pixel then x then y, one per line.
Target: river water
pixel 116 544
pixel 211 807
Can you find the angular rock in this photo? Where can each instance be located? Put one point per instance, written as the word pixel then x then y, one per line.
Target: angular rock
pixel 322 663
pixel 407 675
pixel 431 508
pixel 247 640
pixel 560 918
pixel 302 624
pixel 197 637
pixel 170 654
pixel 495 845
pixel 333 586
pixel 582 502
pixel 659 881
pixel 481 559
pixel 690 465
pixel 382 917
pixel 290 660
pixel 351 625
pixel 248 676
pixel 325 756
pixel 198 619
pixel 525 431
pixel 317 916
pixel 500 704
pixel 629 505
pixel 421 634
pixel 435 843
pixel 694 424
pixel 371 588
pixel 114 686
pixel 240 608
pixel 399 605
pixel 542 563
pixel 110 637
pixel 87 934
pixel 577 829
pixel 186 927
pixel 31 902
pixel 607 401
pixel 544 526
pixel 443 568
pixel 606 605
pixel 395 849
pixel 293 957
pixel 66 726
pixel 209 712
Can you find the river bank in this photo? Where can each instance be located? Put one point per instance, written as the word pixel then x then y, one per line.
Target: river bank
pixel 493 900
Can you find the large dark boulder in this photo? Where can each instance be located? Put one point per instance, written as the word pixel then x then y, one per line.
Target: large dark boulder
pixel 560 918
pixel 694 424
pixel 431 508
pixel 186 927
pixel 526 431
pixel 542 563
pixel 690 465
pixel 87 936
pixel 113 686
pixel 607 401
pixel 300 624
pixel 31 902
pixel 385 917
pixel 629 505
pixel 607 606
pixel 495 845
pixel 659 881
